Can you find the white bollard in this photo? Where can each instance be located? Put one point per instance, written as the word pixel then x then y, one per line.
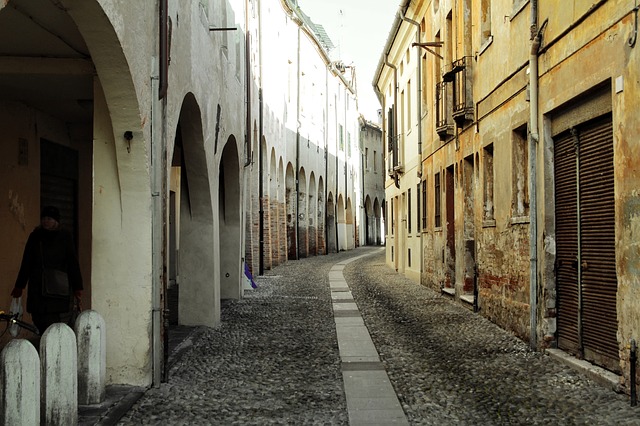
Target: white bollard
pixel 19 384
pixel 59 375
pixel 92 357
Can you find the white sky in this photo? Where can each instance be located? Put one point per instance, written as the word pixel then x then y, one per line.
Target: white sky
pixel 359 29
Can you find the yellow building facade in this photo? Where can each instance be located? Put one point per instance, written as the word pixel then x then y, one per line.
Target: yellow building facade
pixel 512 134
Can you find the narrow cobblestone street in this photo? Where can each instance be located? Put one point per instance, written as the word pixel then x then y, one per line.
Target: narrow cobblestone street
pixel 275 360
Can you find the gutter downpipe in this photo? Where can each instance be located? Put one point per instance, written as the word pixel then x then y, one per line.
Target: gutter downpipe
pixel 534 137
pixel 260 153
pixel 247 72
pixel 159 191
pixel 297 171
pixel 326 162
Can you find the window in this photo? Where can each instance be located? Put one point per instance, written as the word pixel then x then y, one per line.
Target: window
pixel 402 111
pixel 409 105
pixel 392 221
pixel 488 183
pixel 424 204
pixel 375 162
pixel 409 210
pixel 341 137
pixel 485 22
pixel 520 172
pixel 418 208
pixel 366 159
pixel 437 211
pixel 349 144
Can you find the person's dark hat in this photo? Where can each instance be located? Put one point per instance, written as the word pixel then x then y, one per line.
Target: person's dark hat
pixel 50 211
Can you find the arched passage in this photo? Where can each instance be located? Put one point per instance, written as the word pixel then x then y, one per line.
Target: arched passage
pixel 350 226
pixel 312 216
pixel 342 225
pixel 321 248
pixel 303 216
pixel 78 101
pixel 269 205
pixel 332 230
pixel 198 293
pixel 370 222
pixel 290 200
pixel 282 215
pixel 229 214
pixel 377 225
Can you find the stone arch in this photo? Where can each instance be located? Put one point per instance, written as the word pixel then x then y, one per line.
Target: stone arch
pixel 229 214
pixel 270 214
pixel 303 215
pixel 320 223
pixel 198 296
pixel 282 215
pixel 85 90
pixel 330 224
pixel 350 225
pixel 378 226
pixel 290 206
pixel 369 222
pixel 342 224
pixel 312 215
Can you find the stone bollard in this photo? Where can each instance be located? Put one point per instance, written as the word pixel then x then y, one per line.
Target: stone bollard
pixel 92 357
pixel 19 384
pixel 59 374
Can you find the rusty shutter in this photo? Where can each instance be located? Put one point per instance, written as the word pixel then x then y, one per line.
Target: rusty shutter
pixel 585 231
pixel 566 243
pixel 598 266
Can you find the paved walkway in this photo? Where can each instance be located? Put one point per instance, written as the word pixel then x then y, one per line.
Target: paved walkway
pixel 371 399
pixel 345 340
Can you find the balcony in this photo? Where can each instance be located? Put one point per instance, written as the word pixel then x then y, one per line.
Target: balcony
pixel 460 76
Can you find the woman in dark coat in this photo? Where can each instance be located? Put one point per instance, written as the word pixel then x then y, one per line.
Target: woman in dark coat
pixel 49 246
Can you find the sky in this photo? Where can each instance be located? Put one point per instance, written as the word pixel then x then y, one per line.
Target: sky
pixel 359 29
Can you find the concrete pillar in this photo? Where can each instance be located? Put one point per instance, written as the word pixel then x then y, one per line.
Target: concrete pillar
pixel 19 384
pixel 91 334
pixel 59 376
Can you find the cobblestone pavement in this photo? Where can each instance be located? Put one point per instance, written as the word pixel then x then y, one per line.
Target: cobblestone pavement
pixel 450 366
pixel 275 360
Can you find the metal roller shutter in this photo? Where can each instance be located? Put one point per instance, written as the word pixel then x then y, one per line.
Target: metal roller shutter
pixel 585 230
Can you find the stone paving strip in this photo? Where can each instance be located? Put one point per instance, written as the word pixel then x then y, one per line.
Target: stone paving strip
pixel 371 399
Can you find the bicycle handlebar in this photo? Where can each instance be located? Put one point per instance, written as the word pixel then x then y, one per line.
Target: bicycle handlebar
pixel 13 319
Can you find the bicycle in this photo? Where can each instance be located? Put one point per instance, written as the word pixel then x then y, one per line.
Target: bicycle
pixel 12 319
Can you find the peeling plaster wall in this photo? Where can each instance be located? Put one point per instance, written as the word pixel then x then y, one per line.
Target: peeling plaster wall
pixel 597 53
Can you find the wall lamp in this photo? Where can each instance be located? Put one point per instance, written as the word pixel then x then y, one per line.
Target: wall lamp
pixel 128 135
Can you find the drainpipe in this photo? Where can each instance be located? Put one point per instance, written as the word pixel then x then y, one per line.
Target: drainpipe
pixel 260 153
pixel 346 166
pixel 159 193
pixel 335 213
pixel 533 145
pixel 297 171
pixel 326 161
pixel 260 187
pixel 247 73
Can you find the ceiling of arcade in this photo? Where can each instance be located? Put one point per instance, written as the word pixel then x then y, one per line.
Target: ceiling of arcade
pixel 44 61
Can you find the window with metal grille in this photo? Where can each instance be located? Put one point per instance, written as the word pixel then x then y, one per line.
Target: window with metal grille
pixel 409 210
pixel 437 211
pixel 488 183
pixel 425 216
